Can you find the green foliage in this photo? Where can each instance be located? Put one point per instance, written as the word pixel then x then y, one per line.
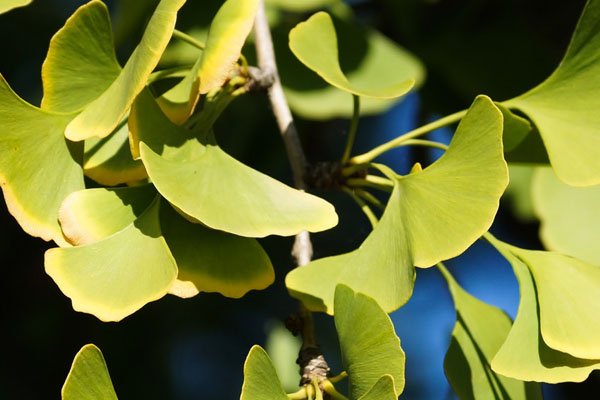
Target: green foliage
pixel 88 378
pixel 7 5
pixel 188 219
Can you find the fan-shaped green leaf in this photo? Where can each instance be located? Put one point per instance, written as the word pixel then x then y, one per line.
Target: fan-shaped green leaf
pixel 570 216
pixel 371 351
pixel 81 62
pixel 525 355
pixel 208 185
pixel 87 216
pixel 367 57
pixel 7 5
pixel 479 332
pixel 383 389
pixel 314 42
pixel 568 293
pixel 101 116
pixel 116 276
pixel 38 167
pixel 214 261
pixel 260 378
pixel 88 378
pixel 565 106
pixel 109 162
pixel 432 215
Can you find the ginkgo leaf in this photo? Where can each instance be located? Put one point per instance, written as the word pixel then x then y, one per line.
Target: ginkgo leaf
pixel 564 107
pixel 260 378
pixel 383 389
pixel 81 62
pixel 432 215
pixel 214 261
pixel 565 284
pixel 88 378
pixel 570 216
pixel 208 185
pixel 38 167
pixel 87 216
pixel 516 128
pixel 314 42
pixel 372 350
pixel 7 5
pixel 524 354
pixel 102 115
pixel 226 36
pixel 114 277
pixel 367 58
pixel 109 162
pixel 300 6
pixel 479 332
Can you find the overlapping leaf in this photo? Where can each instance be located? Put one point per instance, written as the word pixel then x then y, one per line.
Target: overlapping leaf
pixel 87 216
pixel 367 58
pixel 227 34
pixel 315 44
pixel 210 186
pixel 432 215
pixel 214 261
pixel 260 378
pixel 565 106
pixel 370 348
pixel 102 115
pixel 38 167
pixel 114 277
pixel 7 5
pixel 570 216
pixel 383 389
pixel 479 332
pixel 526 354
pixel 109 162
pixel 88 378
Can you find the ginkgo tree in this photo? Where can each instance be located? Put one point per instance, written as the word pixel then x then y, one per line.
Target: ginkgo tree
pixel 170 212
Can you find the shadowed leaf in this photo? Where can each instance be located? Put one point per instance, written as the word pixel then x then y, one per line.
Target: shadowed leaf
pixel 570 216
pixel 479 332
pixel 116 276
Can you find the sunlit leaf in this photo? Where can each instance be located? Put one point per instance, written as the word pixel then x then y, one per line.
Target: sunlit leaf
pixel 315 43
pixel 479 332
pixel 214 261
pixel 260 378
pixel 432 215
pixel 116 276
pixel 88 378
pixel 383 389
pixel 565 106
pixel 570 216
pixel 226 36
pixel 109 162
pixel 101 116
pixel 516 128
pixel 369 345
pixel 87 216
pixel 525 355
pixel 208 185
pixel 7 5
pixel 38 167
pixel 81 62
pixel 366 57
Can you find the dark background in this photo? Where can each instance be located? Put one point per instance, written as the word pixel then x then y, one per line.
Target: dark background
pixel 195 348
